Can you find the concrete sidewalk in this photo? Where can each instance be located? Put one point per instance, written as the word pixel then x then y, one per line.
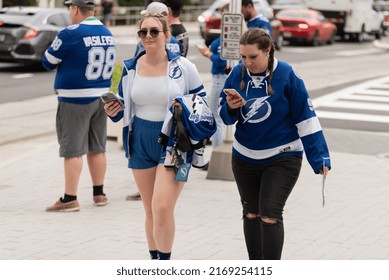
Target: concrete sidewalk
pixel 353 225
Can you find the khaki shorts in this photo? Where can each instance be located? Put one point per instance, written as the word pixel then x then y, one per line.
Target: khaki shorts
pixel 81 128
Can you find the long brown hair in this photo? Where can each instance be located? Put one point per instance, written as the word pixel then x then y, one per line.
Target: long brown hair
pixel 261 38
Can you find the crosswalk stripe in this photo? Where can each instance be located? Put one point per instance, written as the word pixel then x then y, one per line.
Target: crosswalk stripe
pixel 360 88
pixel 383 86
pixel 357 52
pixel 357 105
pixel 352 116
pixel 373 92
pixel 367 98
pixel 370 100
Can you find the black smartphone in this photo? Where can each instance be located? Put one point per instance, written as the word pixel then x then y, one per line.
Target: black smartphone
pixel 105 97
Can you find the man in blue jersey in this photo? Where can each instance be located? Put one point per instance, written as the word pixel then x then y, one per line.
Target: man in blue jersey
pixel 84 56
pixel 252 18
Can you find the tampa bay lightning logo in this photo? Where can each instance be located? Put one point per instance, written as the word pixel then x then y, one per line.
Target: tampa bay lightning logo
pixel 256 110
pixel 175 73
pixel 183 171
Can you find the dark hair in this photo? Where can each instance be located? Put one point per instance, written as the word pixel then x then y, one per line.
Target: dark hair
pixel 261 38
pixel 247 2
pixel 175 5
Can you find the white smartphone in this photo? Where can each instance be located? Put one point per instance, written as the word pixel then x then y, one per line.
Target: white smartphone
pixel 105 97
pixel 234 94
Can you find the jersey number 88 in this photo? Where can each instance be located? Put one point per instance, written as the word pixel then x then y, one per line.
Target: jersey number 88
pixel 100 63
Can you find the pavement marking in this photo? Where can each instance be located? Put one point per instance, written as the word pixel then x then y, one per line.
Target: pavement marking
pixel 372 95
pixel 358 52
pixel 371 92
pixel 23 76
pixel 368 98
pixel 358 105
pixel 352 116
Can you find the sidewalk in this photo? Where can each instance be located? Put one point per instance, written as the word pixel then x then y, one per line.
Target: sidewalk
pixel 353 225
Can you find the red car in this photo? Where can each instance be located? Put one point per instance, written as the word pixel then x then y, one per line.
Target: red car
pixel 304 25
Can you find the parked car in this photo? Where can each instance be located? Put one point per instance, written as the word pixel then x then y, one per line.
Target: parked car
pixel 210 19
pixel 308 26
pixel 26 32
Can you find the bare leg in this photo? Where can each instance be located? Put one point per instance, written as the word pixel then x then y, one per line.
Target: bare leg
pixel 72 167
pixel 166 193
pixel 97 163
pixel 145 179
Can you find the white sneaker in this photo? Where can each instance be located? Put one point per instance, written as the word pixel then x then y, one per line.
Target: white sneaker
pixel 198 160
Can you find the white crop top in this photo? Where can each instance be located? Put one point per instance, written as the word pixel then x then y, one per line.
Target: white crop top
pixel 150 97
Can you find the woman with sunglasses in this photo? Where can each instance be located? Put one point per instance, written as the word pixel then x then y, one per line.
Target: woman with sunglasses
pixel 275 122
pixel 149 83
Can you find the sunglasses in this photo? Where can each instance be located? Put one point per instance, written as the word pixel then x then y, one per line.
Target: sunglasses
pixel 154 32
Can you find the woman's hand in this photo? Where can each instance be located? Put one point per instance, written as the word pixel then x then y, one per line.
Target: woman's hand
pixel 233 102
pixel 176 104
pixel 112 108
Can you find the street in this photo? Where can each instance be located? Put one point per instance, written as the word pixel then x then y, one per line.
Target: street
pixel 325 69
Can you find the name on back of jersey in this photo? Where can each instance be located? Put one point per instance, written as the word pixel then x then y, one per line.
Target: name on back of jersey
pixel 93 41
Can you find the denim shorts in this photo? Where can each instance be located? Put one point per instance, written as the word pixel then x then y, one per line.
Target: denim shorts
pixel 145 150
pixel 264 188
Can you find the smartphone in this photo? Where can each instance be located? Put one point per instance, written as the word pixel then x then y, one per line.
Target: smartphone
pixel 105 97
pixel 234 94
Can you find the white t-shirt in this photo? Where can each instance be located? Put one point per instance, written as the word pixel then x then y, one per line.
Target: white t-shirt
pixel 150 97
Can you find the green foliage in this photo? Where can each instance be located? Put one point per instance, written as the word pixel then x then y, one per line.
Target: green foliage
pixel 116 75
pixel 10 3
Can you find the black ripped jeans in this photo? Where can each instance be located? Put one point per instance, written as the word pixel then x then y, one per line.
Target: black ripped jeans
pixel 264 189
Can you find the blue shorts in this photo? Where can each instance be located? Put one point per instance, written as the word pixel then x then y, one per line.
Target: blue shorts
pixel 145 150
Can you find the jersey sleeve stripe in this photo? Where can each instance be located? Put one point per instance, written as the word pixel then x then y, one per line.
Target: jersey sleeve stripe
pixel 52 59
pixel 309 126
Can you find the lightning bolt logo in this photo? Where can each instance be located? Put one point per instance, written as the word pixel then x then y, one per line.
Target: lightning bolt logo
pixel 254 108
pixel 175 73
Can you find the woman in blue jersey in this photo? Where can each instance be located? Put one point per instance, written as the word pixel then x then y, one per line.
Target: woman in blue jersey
pixel 149 83
pixel 275 122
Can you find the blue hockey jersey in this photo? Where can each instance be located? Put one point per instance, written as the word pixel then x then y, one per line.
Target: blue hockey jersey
pixel 270 126
pixel 218 64
pixel 261 22
pixel 84 55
